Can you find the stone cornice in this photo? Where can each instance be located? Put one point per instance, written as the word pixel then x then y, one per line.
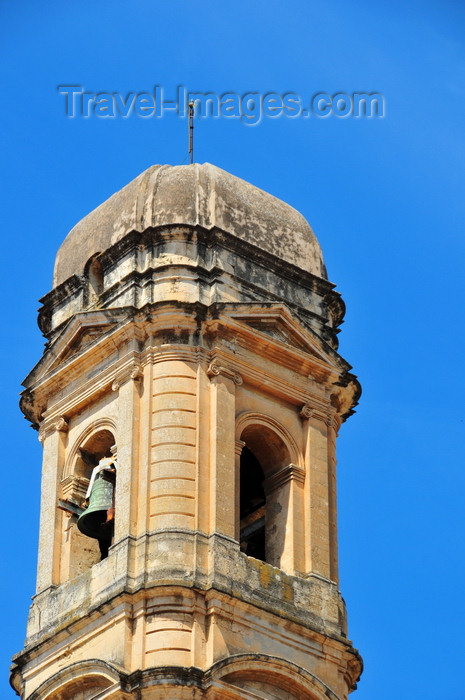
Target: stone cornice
pixel 269 261
pixel 63 349
pixel 145 265
pixel 212 237
pixel 267 381
pixel 112 377
pixel 293 358
pixel 135 328
pixel 74 615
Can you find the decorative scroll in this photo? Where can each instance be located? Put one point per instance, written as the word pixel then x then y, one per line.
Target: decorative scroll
pixel 330 420
pixel 59 425
pixel 306 411
pixel 133 372
pixel 215 370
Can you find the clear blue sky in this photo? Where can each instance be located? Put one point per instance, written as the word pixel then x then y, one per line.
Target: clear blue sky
pixel 385 198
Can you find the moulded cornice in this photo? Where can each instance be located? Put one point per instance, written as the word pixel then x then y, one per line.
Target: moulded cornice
pixel 280 315
pixel 66 358
pixel 255 613
pixel 296 340
pixel 304 355
pixel 111 377
pixel 269 381
pixel 211 237
pixel 114 374
pixel 113 327
pixel 317 360
pixel 67 344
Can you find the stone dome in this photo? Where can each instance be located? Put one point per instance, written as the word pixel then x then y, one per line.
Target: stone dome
pixel 193 195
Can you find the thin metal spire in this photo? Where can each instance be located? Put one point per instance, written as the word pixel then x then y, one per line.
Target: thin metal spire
pixel 191 132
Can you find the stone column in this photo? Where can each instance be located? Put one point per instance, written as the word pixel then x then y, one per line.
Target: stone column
pixel 127 439
pixel 316 494
pixel 203 453
pixel 222 449
pixel 238 447
pixel 142 513
pixel 53 438
pixel 332 425
pixel 284 515
pixel 174 444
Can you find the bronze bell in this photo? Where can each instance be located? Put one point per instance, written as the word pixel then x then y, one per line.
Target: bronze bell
pixel 97 520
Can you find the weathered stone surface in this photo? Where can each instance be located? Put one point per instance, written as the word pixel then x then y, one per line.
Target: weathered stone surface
pixel 203 327
pixel 196 194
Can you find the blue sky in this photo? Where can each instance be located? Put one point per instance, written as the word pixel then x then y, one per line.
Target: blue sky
pixel 385 198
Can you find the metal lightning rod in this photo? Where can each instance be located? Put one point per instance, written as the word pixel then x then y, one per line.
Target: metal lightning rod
pixel 191 131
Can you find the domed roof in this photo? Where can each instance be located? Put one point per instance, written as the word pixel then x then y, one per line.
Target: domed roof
pixel 198 194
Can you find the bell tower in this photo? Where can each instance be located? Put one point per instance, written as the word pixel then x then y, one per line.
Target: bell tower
pixel 188 402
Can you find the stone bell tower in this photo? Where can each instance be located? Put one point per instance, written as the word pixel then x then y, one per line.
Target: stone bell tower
pixel 191 352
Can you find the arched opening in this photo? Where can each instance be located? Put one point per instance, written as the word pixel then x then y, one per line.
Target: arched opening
pixel 252 506
pixel 267 677
pixel 83 680
pixel 81 550
pixel 94 274
pixel 263 503
pixel 84 688
pixel 97 521
pixel 95 448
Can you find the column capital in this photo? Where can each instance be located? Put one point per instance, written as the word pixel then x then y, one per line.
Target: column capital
pixel 333 421
pixel 306 411
pixel 133 371
pixel 238 447
pixel 48 427
pixel 289 473
pixel 214 370
pixel 326 416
